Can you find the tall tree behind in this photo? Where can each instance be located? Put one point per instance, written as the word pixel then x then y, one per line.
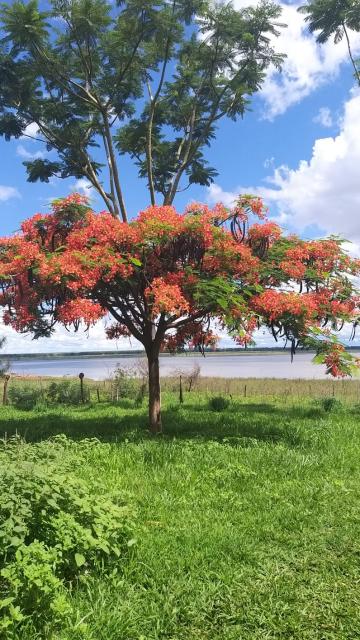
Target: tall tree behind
pixel 334 19
pixel 147 79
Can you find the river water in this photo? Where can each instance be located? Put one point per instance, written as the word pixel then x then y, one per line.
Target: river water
pixel 238 365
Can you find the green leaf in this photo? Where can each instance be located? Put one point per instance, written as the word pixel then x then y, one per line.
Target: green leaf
pixel 136 262
pixel 5 602
pixel 79 559
pixel 223 303
pixel 41 170
pixel 15 541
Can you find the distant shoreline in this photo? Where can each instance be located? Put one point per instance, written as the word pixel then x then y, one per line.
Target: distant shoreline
pixel 138 353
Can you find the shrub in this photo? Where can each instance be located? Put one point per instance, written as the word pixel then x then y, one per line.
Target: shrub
pixel 331 404
pixel 125 384
pixel 25 397
pixel 66 392
pixel 219 403
pixel 55 528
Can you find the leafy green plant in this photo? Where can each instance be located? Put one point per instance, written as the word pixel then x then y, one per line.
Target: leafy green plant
pixel 25 396
pixel 331 404
pixel 55 529
pixel 33 589
pixel 219 403
pixel 125 384
pixel 66 392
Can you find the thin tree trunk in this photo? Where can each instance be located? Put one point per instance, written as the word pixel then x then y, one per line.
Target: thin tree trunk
pixel 154 392
pixel 357 74
pixel 114 169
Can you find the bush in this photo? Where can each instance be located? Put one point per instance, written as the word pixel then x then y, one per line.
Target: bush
pixel 66 392
pixel 125 385
pixel 331 404
pixel 54 529
pixel 25 397
pixel 219 403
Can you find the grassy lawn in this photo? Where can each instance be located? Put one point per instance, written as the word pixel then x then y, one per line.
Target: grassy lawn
pixel 247 521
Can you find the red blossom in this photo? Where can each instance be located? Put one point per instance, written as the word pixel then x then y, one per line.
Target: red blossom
pixel 268 231
pixel 80 310
pixel 165 297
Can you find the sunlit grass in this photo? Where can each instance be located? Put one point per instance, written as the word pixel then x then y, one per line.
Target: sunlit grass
pixel 247 520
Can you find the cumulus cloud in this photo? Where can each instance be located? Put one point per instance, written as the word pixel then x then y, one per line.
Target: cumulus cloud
pixel 323 191
pixel 6 193
pixel 31 132
pixel 324 117
pixel 22 152
pixel 307 66
pixel 84 186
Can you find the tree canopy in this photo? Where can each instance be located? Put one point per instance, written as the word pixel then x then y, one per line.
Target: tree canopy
pixel 149 81
pixel 169 279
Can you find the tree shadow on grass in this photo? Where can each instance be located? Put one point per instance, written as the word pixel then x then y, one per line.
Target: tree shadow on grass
pixel 107 428
pixel 249 423
pixel 241 423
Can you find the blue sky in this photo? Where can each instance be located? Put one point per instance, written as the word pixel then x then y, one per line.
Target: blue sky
pixel 299 148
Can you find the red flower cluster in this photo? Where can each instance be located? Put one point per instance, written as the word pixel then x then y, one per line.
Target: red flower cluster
pixel 80 309
pixel 268 232
pixel 165 297
pixel 276 305
pixel 247 205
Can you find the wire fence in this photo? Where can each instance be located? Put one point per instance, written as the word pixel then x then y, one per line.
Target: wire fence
pixel 115 388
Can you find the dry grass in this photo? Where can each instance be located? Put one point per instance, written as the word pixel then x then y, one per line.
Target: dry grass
pixel 274 387
pixel 282 389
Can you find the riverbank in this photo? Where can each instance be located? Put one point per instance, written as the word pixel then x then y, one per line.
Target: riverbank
pixel 220 365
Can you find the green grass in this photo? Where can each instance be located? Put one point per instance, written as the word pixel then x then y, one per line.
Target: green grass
pixel 248 521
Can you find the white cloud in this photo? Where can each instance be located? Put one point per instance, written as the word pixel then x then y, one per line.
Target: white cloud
pixel 323 191
pixel 269 162
pixel 28 155
pixel 84 186
pixel 307 66
pixel 324 117
pixel 6 193
pixel 218 194
pixel 31 131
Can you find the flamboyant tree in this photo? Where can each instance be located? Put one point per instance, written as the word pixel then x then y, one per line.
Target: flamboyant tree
pixel 166 278
pixel 100 81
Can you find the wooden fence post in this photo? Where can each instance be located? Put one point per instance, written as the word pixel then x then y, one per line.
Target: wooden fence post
pixel 6 382
pixel 81 376
pixel 181 396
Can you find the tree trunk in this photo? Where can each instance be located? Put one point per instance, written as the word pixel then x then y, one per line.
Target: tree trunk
pixel 154 392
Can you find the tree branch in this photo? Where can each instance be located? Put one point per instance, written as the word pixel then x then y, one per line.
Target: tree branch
pixel 153 102
pixel 357 73
pixel 114 169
